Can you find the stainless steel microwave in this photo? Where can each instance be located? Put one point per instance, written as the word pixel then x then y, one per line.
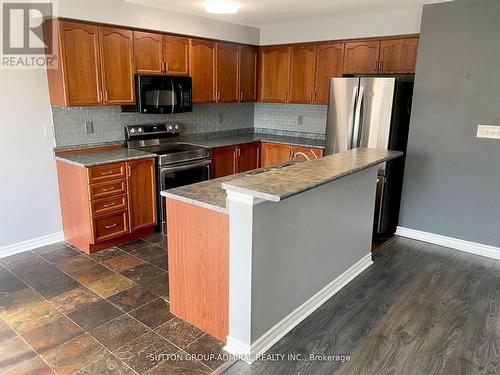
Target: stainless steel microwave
pixel 162 94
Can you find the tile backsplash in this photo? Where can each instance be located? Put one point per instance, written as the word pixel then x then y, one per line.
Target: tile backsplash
pixel 286 117
pixel 108 122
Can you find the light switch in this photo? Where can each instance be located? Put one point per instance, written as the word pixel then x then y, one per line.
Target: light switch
pixel 488 131
pixel 300 120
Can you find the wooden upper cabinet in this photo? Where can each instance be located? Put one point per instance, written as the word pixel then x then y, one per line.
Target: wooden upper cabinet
pixel 361 57
pixel 148 50
pixel 223 161
pixel 80 85
pixel 202 69
pixel 302 65
pixel 248 156
pixel 274 74
pixel 329 63
pixel 176 55
pixel 398 55
pixel 228 64
pixel 117 65
pixel 141 186
pixel 248 74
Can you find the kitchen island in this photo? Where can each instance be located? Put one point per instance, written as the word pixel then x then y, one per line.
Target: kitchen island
pixel 252 255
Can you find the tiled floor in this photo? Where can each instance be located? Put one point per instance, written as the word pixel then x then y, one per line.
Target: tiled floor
pixel 64 312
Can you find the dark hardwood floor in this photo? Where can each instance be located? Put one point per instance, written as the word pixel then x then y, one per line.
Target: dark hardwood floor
pixel 420 309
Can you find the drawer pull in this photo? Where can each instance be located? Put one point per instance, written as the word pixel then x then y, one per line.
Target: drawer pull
pixel 108 189
pixel 110 226
pixel 106 173
pixel 108 205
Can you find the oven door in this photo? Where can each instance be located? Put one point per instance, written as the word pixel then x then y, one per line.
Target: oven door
pixel 180 175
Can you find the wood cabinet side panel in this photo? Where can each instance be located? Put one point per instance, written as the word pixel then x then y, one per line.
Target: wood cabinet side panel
pixel 198 263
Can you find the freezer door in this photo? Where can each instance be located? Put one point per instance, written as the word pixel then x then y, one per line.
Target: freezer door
pixel 340 120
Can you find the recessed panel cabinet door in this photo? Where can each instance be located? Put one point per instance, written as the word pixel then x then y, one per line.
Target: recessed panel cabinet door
pixel 148 50
pixel 223 161
pixel 202 69
pixel 228 63
pixel 248 74
pixel 248 156
pixel 176 55
pixel 361 57
pixel 274 68
pixel 141 186
pixel 303 60
pixel 398 55
pixel 80 54
pixel 273 153
pixel 117 66
pixel 329 63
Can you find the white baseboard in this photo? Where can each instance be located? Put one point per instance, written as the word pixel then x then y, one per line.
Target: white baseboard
pixel 271 337
pixel 31 244
pixel 453 243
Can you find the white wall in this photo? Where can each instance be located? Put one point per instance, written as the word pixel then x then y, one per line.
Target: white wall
pixel 134 15
pixel 29 202
pixel 364 25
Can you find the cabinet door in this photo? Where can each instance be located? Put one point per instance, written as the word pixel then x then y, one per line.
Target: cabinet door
pixel 117 65
pixel 361 57
pixel 329 63
pixel 141 184
pixel 148 53
pixel 303 60
pixel 274 69
pixel 398 56
pixel 311 153
pixel 248 74
pixel 80 55
pixel 202 68
pixel 228 64
pixel 176 55
pixel 273 153
pixel 248 156
pixel 223 161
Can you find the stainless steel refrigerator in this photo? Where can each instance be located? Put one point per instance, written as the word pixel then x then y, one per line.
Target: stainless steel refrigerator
pixel 373 112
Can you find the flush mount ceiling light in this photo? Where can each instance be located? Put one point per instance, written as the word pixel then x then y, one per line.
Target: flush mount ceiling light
pixel 221 6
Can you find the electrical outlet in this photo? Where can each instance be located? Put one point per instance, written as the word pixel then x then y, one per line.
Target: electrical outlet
pixel 89 127
pixel 221 118
pixel 488 131
pixel 300 120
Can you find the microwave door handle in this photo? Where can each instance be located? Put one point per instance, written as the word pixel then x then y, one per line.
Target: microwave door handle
pixel 181 96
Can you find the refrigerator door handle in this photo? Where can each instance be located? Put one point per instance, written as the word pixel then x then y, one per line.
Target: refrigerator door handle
pixel 352 117
pixel 357 120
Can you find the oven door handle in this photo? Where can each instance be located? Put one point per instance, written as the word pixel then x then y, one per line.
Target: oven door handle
pixel 184 167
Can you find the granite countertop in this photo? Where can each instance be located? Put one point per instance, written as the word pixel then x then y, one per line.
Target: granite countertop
pixel 256 137
pixel 94 158
pixel 280 182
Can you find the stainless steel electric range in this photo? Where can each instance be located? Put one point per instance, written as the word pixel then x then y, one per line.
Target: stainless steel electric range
pixel 177 163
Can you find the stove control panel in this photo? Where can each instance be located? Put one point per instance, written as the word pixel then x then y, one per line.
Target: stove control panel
pixel 151 130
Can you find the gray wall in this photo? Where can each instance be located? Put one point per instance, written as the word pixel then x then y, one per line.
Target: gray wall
pixel 69 123
pixel 452 179
pixel 303 243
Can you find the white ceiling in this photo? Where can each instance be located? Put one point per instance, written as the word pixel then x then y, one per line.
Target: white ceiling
pixel 261 13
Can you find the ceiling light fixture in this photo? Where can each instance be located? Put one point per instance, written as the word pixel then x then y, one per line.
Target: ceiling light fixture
pixel 221 6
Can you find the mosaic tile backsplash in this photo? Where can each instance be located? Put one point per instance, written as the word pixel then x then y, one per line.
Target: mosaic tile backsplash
pixel 108 122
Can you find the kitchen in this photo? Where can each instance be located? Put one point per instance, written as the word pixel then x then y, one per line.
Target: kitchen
pixel 175 149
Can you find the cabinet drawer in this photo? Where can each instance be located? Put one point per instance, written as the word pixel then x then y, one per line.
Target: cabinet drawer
pixel 108 205
pixel 110 226
pixel 106 172
pixel 107 189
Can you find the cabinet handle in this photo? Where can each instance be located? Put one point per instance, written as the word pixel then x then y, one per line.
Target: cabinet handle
pixel 99 96
pixel 106 173
pixel 375 66
pixel 380 65
pixel 106 95
pixel 110 226
pixel 311 97
pixel 129 170
pixel 166 67
pixel 241 96
pixel 108 189
pixel 286 97
pixel 108 205
pixel 239 151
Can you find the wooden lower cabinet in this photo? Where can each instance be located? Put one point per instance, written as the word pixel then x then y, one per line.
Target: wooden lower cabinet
pixel 235 159
pixel 107 205
pixel 275 153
